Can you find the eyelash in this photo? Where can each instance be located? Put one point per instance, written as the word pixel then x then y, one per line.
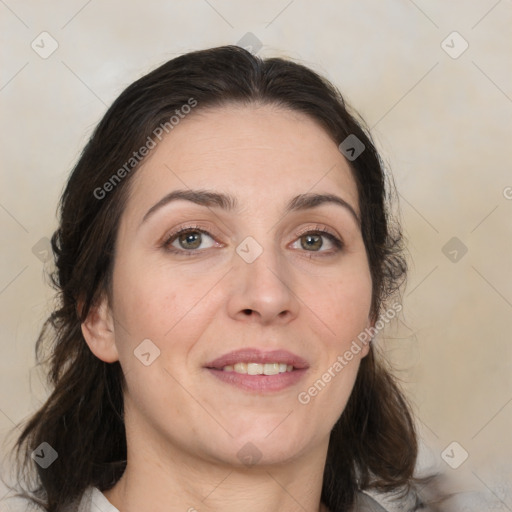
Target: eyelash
pixel 319 230
pixel 338 244
pixel 187 229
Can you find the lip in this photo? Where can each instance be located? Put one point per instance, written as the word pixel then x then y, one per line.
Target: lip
pixel 259 383
pixel 253 355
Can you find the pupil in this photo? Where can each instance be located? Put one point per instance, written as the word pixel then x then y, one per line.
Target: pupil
pixel 191 240
pixel 313 241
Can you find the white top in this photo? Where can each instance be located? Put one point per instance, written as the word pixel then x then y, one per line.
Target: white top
pixel 94 500
pixel 100 501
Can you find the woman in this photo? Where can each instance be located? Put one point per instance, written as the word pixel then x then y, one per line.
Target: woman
pixel 224 257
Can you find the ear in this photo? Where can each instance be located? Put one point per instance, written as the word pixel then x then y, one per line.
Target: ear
pixel 366 346
pixel 98 331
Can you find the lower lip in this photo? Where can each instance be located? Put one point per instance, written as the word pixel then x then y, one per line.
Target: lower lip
pixel 261 383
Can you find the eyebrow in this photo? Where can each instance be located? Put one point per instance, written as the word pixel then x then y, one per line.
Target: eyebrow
pixel 229 203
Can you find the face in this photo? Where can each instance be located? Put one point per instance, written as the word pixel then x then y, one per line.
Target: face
pixel 247 273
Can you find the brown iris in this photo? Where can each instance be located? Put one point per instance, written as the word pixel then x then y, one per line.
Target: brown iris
pixel 312 242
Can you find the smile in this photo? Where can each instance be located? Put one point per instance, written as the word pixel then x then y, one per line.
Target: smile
pixel 258 369
pixel 254 370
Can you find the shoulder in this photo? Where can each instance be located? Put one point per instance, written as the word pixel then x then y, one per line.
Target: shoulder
pixel 363 503
pixel 366 503
pixel 92 500
pixel 373 501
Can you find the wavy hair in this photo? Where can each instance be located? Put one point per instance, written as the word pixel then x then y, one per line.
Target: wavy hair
pixel 373 445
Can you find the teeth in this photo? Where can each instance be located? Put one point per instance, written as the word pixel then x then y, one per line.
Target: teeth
pixel 255 369
pixel 271 369
pixel 240 367
pixel 259 369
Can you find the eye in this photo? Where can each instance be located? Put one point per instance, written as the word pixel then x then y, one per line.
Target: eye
pixel 188 240
pixel 319 240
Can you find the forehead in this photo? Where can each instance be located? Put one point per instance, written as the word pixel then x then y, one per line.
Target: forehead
pixel 262 154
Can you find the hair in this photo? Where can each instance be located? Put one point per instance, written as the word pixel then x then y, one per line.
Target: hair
pixel 374 443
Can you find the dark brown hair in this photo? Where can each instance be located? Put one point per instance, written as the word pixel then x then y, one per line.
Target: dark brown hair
pixel 373 444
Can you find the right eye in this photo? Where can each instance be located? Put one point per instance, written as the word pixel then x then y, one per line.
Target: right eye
pixel 188 240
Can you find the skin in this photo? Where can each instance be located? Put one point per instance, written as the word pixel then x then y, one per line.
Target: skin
pixel 184 426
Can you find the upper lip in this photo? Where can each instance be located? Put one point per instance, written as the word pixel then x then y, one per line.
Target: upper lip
pixel 253 355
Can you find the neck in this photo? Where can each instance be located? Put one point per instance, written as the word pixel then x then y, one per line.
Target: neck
pixel 170 480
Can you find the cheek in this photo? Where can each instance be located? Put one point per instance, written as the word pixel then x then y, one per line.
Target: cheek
pixel 346 312
pixel 143 310
pixel 344 307
pixel 150 300
pixel 169 310
pixel 348 301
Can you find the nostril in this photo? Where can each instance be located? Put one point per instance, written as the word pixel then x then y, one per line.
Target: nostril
pixel 247 311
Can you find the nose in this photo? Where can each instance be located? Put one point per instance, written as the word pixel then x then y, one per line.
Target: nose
pixel 262 290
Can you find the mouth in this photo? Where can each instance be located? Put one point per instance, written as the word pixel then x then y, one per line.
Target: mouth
pixel 255 370
pixel 252 361
pixel 258 369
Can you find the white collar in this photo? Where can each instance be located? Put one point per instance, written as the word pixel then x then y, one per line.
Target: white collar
pixel 99 502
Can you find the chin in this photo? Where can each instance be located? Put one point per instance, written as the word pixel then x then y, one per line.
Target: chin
pixel 264 449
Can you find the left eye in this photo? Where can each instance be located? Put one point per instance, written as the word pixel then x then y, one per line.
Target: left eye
pixel 314 241
pixel 189 240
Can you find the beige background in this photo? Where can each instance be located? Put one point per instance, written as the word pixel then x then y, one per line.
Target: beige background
pixel 442 123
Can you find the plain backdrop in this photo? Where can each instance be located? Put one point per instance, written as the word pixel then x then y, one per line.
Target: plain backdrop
pixel 432 79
